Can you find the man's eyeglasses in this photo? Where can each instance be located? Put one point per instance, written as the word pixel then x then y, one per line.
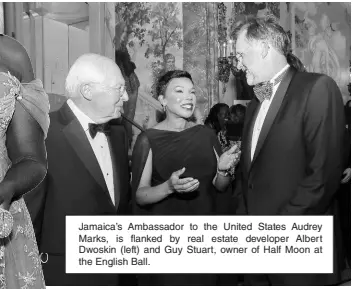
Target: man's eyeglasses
pixel 239 57
pixel 119 90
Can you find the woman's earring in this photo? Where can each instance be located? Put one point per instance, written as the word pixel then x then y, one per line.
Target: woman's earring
pixel 164 108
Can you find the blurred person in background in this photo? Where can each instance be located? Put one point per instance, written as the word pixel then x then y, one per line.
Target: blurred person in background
pixel 233 128
pixel 217 117
pixel 237 113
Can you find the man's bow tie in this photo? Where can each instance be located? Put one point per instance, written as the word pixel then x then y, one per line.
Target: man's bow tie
pixel 264 90
pixel 102 127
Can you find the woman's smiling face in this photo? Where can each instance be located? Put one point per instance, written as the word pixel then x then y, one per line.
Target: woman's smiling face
pixel 179 97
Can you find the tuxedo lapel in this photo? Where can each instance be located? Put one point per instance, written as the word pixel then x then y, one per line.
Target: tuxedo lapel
pixel 77 138
pixel 273 111
pixel 252 111
pixel 116 142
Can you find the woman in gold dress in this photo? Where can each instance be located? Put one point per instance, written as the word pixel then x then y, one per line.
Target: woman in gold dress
pixel 24 123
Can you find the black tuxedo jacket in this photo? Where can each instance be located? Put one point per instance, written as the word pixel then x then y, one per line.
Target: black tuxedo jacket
pixel 297 165
pixel 75 186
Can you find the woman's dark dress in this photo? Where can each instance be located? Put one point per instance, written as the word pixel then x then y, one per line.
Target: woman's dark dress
pixel 193 149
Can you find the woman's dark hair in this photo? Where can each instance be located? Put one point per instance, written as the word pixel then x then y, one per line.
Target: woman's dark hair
pixel 162 84
pixel 212 118
pixel 165 79
pixel 237 108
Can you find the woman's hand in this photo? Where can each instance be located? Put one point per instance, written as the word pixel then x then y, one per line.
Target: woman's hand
pixel 185 185
pixel 346 174
pixel 229 158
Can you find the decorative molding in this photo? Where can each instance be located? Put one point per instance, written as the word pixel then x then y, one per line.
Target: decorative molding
pixel 110 31
pixel 212 58
pixel 2 30
pixel 97 27
pixel 19 22
pixel 292 25
pixel 68 13
pixel 9 18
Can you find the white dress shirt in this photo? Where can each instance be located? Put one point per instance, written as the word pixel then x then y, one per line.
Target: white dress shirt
pixel 100 147
pixel 263 113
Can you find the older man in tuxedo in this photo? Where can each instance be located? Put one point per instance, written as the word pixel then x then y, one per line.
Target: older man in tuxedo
pixel 292 140
pixel 88 171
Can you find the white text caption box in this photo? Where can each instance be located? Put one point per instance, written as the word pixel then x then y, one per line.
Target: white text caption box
pixel 199 244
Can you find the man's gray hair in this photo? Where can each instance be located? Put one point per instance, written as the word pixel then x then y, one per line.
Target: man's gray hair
pixel 88 68
pixel 266 28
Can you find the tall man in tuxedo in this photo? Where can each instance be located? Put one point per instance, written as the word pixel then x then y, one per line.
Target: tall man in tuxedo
pixel 88 170
pixel 292 140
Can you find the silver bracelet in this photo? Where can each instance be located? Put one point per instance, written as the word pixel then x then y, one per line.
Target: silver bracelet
pixel 223 173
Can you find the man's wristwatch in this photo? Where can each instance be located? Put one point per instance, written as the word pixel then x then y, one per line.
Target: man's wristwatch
pixel 223 173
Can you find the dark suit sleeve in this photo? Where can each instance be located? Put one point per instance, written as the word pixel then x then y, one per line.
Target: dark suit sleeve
pixel 240 174
pixel 238 195
pixel 347 141
pixel 129 208
pixel 323 133
pixel 26 150
pixel 347 150
pixel 140 154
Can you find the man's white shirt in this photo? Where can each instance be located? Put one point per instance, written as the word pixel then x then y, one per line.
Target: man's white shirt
pixel 100 147
pixel 263 113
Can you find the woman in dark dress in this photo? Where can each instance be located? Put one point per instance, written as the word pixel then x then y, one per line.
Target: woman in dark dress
pixel 178 168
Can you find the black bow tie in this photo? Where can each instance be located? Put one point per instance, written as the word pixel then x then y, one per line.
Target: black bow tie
pixel 94 128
